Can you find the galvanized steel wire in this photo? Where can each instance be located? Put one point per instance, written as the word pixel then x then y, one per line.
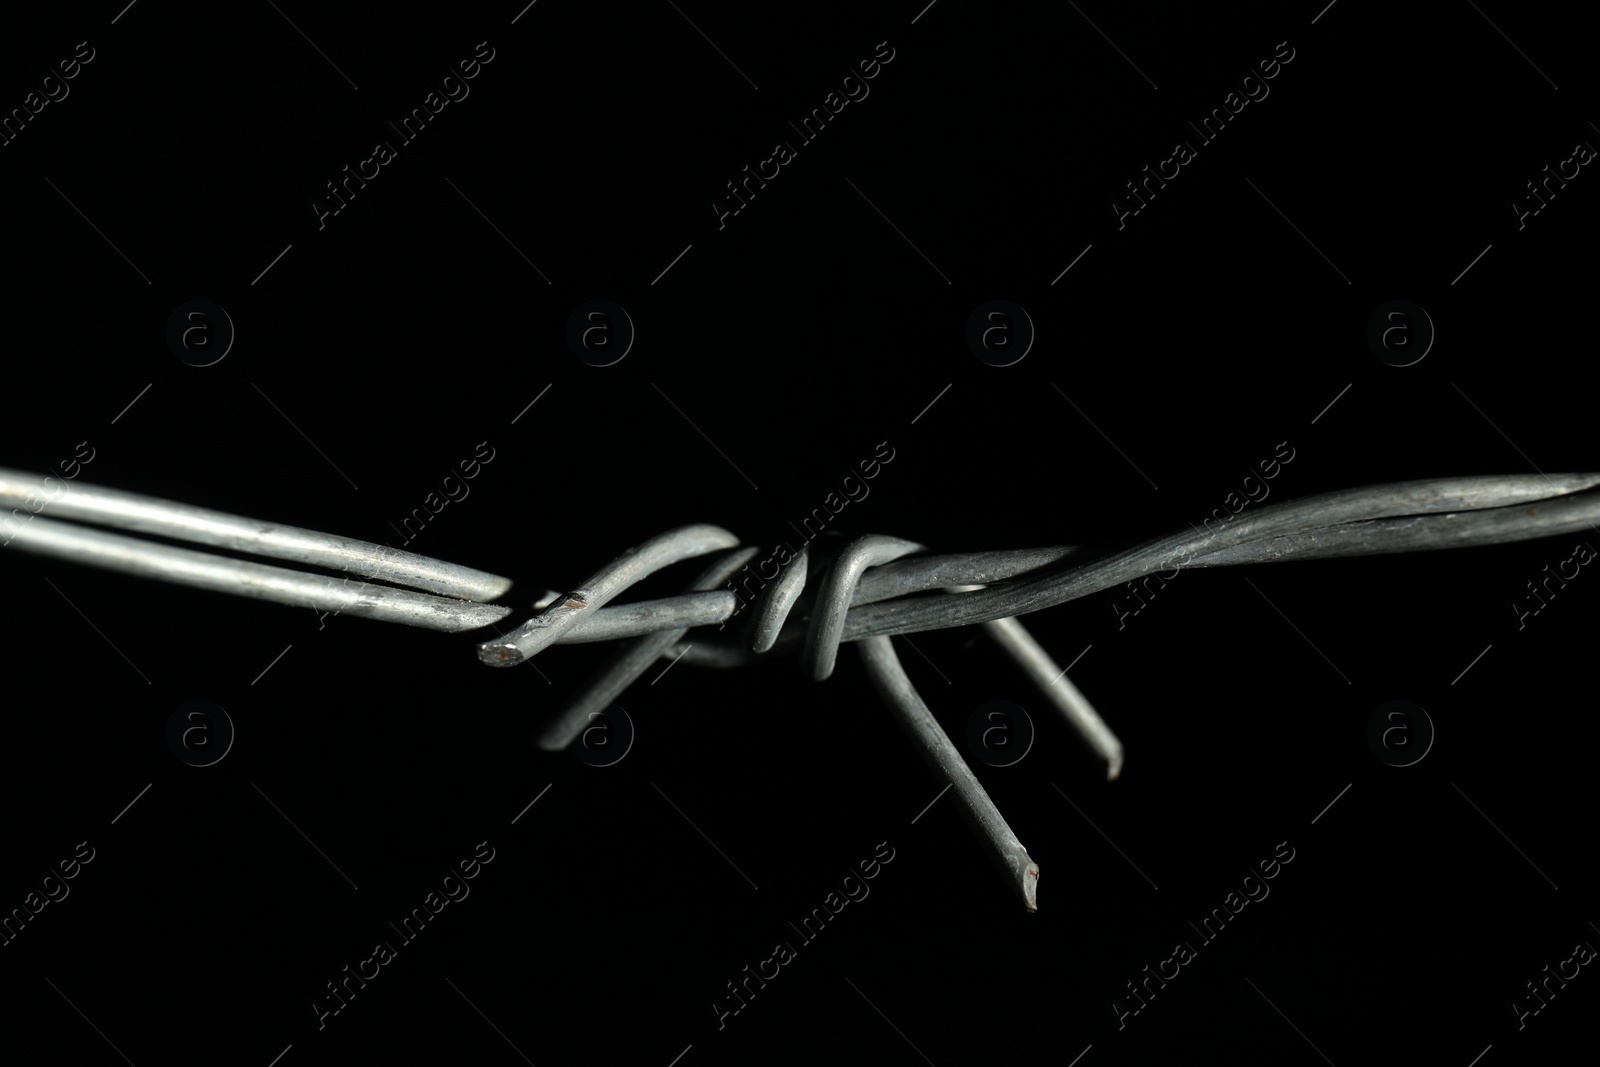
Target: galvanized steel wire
pixel 871 587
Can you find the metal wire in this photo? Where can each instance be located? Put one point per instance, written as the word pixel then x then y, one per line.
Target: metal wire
pixel 630 568
pixel 633 660
pixel 892 684
pixel 1053 682
pixel 870 590
pixel 872 587
pixel 1401 517
pixel 452 609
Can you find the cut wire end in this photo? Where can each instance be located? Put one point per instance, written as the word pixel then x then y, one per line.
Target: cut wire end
pixel 872 588
pixel 448 601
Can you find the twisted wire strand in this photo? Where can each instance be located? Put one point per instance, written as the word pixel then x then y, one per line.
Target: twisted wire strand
pixel 875 576
pixel 628 569
pixel 1288 521
pixel 632 660
pixel 832 600
pixel 1403 517
pixel 874 585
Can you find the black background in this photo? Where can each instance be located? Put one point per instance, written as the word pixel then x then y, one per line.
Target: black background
pixel 777 352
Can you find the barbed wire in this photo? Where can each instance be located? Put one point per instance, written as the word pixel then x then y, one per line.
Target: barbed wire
pixel 871 587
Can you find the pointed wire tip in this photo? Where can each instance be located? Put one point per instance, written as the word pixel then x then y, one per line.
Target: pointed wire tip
pixel 1030 887
pixel 500 654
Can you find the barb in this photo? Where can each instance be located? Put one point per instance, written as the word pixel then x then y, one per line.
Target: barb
pixel 630 568
pixel 872 587
pixel 1402 517
pixel 833 597
pixel 1052 681
pixel 634 659
pixel 892 684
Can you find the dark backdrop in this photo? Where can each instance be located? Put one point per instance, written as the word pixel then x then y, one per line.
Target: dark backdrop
pixel 378 347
